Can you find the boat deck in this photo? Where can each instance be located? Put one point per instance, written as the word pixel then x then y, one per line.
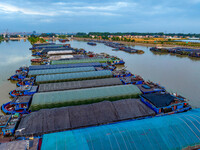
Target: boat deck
pixel 4 120
pixel 21 99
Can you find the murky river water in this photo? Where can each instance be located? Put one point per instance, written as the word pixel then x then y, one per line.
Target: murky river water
pixel 177 74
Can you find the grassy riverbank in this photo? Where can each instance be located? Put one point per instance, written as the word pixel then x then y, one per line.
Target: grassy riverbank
pixel 34 40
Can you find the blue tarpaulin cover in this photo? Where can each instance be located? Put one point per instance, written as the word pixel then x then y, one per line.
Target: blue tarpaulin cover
pixel 176 131
pixel 39 67
pixel 60 71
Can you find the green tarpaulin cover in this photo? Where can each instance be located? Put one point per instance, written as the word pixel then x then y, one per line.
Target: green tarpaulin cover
pixel 83 96
pixel 100 60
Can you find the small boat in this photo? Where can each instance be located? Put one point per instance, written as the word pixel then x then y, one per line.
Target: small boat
pixel 91 43
pixel 18 76
pixel 23 91
pixel 19 104
pixel 26 81
pixel 22 69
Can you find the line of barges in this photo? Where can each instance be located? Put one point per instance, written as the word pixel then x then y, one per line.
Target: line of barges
pixel 117 46
pixel 178 50
pixel 70 97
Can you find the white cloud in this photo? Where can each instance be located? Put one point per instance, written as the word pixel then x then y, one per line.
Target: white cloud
pixel 46 20
pixel 57 9
pixel 6 8
pixel 109 7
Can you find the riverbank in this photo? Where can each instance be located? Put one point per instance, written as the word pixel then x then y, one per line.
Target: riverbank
pixel 140 44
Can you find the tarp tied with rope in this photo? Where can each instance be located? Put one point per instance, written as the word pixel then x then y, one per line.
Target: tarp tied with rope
pixel 176 131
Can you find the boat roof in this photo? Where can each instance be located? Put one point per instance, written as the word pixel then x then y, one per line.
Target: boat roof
pixel 66 118
pixel 27 79
pixel 21 99
pixel 4 120
pixel 45 50
pixel 41 67
pixel 87 60
pixel 27 88
pixel 60 52
pixel 60 70
pixel 79 84
pixel 12 123
pixel 159 99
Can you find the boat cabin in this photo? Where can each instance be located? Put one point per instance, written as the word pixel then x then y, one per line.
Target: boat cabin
pixel 163 103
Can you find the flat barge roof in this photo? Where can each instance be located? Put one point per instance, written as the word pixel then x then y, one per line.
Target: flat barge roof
pixel 67 118
pixel 49 87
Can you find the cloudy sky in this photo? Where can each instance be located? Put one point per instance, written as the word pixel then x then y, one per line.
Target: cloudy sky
pixel 100 15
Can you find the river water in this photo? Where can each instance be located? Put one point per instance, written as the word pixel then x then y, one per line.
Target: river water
pixel 192 41
pixel 176 74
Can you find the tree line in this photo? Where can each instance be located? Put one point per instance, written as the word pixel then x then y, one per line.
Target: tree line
pixel 106 34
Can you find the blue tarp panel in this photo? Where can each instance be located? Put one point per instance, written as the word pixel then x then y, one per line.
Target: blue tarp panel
pixel 158 99
pixel 41 67
pixel 176 131
pixel 60 71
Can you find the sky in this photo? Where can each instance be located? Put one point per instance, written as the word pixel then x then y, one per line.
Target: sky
pixel 168 16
